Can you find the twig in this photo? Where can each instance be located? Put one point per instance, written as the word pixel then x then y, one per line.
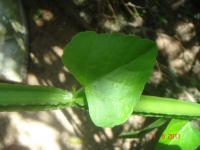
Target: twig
pixel 111 9
pixel 128 9
pixel 134 6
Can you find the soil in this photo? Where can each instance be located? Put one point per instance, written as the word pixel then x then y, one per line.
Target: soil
pixel 174 25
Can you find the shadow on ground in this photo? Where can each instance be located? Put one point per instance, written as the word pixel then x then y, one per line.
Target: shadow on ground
pixel 174 25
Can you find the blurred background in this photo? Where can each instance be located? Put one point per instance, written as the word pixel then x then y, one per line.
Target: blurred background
pixel 173 24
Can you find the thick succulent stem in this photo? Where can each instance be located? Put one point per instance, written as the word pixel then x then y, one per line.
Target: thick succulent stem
pixel 167 107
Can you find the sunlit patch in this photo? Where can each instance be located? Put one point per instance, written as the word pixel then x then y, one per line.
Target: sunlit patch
pixel 32 79
pixel 180 58
pixel 58 50
pixel 35 134
pixel 156 77
pixel 134 122
pixel 97 138
pixel 8 70
pixel 185 31
pixel 47 59
pixel 34 58
pixel 62 77
pixel 114 24
pixel 18 27
pixel 187 95
pixel 42 16
pixel 136 22
pixel 85 16
pixel 75 141
pixel 168 45
pixel 60 116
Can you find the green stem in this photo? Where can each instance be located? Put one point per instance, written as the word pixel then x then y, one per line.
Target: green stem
pixel 167 107
pixel 15 97
pixel 28 98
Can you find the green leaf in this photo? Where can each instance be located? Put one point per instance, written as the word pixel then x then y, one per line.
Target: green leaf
pixel 15 97
pixel 180 134
pixel 113 69
pixel 156 124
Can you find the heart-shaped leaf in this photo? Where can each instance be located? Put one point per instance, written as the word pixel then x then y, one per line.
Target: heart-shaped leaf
pixel 113 69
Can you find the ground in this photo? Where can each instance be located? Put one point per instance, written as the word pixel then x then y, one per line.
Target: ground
pixel 174 25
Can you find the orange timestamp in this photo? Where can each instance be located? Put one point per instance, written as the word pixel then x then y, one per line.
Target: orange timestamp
pixel 171 136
